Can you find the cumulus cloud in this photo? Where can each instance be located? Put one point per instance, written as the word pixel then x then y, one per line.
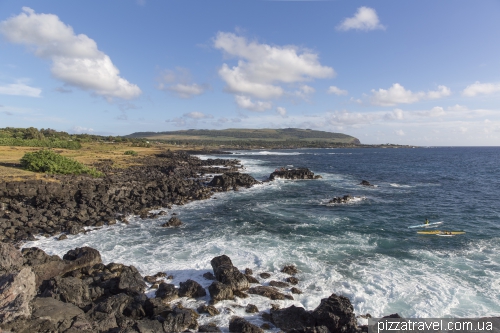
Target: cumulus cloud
pixel 349 118
pixel 365 19
pixel 397 94
pixel 190 119
pixel 20 89
pixel 81 130
pixel 479 88
pixel 396 114
pixel 245 102
pixel 399 132
pixel 76 60
pixel 281 111
pixel 457 107
pixel 436 111
pixel 262 68
pixel 179 83
pixel 337 91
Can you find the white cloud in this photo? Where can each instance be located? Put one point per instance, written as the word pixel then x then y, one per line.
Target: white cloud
pixel 247 103
pixel 479 88
pixel 396 114
pixel 281 111
pixel 436 111
pixel 179 83
pixel 336 91
pixel 349 118
pixel 397 94
pixel 457 107
pixel 262 68
pixel 399 132
pixel 187 90
pixel 76 59
pixel 81 130
pixel 365 19
pixel 197 115
pixel 20 89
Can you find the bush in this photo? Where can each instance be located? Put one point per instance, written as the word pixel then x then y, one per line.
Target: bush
pixel 51 162
pixel 131 152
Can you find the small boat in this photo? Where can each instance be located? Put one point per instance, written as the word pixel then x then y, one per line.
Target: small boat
pixel 426 225
pixel 440 232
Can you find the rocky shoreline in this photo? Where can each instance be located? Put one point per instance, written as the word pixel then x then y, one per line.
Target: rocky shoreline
pixel 43 293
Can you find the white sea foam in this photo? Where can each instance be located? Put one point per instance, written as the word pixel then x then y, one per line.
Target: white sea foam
pixel 399 185
pixel 265 152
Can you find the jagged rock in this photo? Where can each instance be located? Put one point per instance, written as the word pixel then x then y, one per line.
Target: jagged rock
pixel 265 275
pixel 220 291
pixel 341 200
pixel 17 289
pixel 210 309
pixel 292 280
pixel 336 313
pixel 279 284
pixel 211 327
pixel 292 173
pixel 191 288
pixel 131 281
pixel 10 259
pixel 251 279
pixel 167 292
pixel 233 179
pixel 180 319
pixel 238 324
pixel 251 308
pixel 173 222
pixel 296 290
pixel 156 307
pixel 240 294
pixel 290 270
pixel 226 273
pixel 62 315
pixel 209 276
pixel 269 292
pixel 248 271
pixel 365 183
pixel 292 318
pixel 149 326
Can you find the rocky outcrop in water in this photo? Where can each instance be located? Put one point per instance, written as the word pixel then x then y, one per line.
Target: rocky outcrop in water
pixel 295 173
pixel 233 180
pixel 67 204
pixel 341 200
pixel 366 183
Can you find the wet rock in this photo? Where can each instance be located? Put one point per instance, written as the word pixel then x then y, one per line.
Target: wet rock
pixel 210 309
pixel 220 291
pixel 180 319
pixel 148 326
pixel 292 173
pixel 265 326
pixel 173 222
pixel 211 327
pixel 336 313
pixel 251 279
pixel 365 183
pixel 342 200
pixel 238 324
pixel 279 284
pixel 269 292
pixel 17 289
pixel 226 273
pixel 156 307
pixel 131 281
pixel 265 275
pixel 240 294
pixel 167 292
pixel 292 318
pixel 251 308
pixel 62 237
pixel 233 179
pixel 248 271
pixel 209 276
pixel 292 280
pixel 191 288
pixel 296 290
pixel 290 270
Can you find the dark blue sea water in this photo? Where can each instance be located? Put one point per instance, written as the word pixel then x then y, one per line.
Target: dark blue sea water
pixel 363 250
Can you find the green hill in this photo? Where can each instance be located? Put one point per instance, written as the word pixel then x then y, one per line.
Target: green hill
pixel 248 138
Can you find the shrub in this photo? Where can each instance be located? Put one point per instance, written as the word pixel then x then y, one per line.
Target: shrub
pixel 51 162
pixel 131 152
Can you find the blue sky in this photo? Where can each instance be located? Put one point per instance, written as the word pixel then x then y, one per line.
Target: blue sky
pixel 409 72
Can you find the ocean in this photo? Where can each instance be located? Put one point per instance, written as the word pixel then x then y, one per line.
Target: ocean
pixel 363 250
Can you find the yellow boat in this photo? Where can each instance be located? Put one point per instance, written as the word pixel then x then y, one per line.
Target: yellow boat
pixel 440 232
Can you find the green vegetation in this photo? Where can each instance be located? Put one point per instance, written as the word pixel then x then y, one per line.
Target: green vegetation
pixel 130 152
pixel 49 138
pixel 253 138
pixel 50 162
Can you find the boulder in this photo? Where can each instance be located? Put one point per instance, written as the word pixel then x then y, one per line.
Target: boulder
pixel 131 281
pixel 209 276
pixel 149 326
pixel 251 279
pixel 336 313
pixel 292 280
pixel 226 273
pixel 233 179
pixel 211 327
pixel 268 292
pixel 251 308
pixel 17 289
pixel 296 290
pixel 341 200
pixel 167 292
pixel 290 270
pixel 292 318
pixel 238 324
pixel 279 284
pixel 180 320
pixel 191 288
pixel 365 183
pixel 220 291
pixel 210 309
pixel 62 315
pixel 10 258
pixel 265 275
pixel 173 222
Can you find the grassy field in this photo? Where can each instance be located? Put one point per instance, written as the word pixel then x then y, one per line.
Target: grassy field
pixel 89 154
